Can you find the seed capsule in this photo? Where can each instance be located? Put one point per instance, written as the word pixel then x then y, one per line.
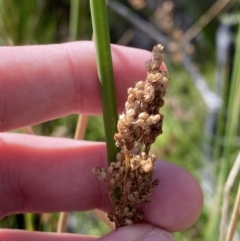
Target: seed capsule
pixel 131 98
pixel 110 170
pixel 135 104
pixel 149 97
pixel 136 194
pixel 121 117
pixel 117 177
pixel 126 209
pixel 121 170
pixel 158 52
pixel 139 122
pixel 147 165
pixel 140 84
pixel 143 115
pixel 131 197
pixel 150 78
pixel 157 77
pixel 152 119
pixel 135 164
pixel 118 164
pixel 112 182
pixel 130 112
pixel 100 173
pixel 153 157
pixel 112 164
pixel 130 91
pixel 127 105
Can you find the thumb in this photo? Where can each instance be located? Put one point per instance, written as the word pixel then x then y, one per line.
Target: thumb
pixel 138 232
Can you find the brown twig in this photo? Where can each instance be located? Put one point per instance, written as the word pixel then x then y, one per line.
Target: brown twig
pixel 234 218
pixel 103 216
pixel 79 135
pixel 81 127
pixel 28 130
pixel 230 180
pixel 204 20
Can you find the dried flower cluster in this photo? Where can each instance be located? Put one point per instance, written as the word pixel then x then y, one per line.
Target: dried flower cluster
pixel 131 177
pixel 141 122
pixel 129 186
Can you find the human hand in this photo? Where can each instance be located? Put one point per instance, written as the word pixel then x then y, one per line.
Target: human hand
pixel 45 174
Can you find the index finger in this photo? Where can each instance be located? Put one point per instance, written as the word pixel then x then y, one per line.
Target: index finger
pixel 40 83
pixel 43 174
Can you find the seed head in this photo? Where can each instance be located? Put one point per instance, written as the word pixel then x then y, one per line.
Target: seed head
pixel 131 177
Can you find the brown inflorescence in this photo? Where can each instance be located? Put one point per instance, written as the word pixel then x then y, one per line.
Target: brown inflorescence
pixel 131 178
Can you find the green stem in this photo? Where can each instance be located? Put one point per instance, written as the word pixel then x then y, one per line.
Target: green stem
pixel 73 22
pixel 29 221
pixel 105 73
pixel 233 111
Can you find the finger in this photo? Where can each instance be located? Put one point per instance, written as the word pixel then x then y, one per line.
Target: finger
pixel 40 83
pixel 140 232
pixel 40 173
pixel 51 175
pixel 21 235
pixel 176 202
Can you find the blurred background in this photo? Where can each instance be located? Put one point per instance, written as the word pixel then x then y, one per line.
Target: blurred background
pixel 201 126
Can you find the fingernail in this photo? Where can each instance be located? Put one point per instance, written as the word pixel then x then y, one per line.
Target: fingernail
pixel 157 235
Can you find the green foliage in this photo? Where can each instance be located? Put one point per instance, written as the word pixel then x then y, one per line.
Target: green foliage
pixel 89 223
pixel 229 150
pixel 40 22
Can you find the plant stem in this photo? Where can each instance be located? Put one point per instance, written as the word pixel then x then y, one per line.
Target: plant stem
pixel 73 23
pixel 233 110
pixel 105 73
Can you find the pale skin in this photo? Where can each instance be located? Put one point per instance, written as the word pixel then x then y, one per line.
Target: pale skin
pixel 45 174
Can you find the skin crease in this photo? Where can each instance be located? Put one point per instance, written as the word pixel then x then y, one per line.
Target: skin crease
pixel 51 81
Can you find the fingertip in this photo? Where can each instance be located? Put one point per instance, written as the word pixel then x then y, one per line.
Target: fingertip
pixel 140 232
pixel 177 201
